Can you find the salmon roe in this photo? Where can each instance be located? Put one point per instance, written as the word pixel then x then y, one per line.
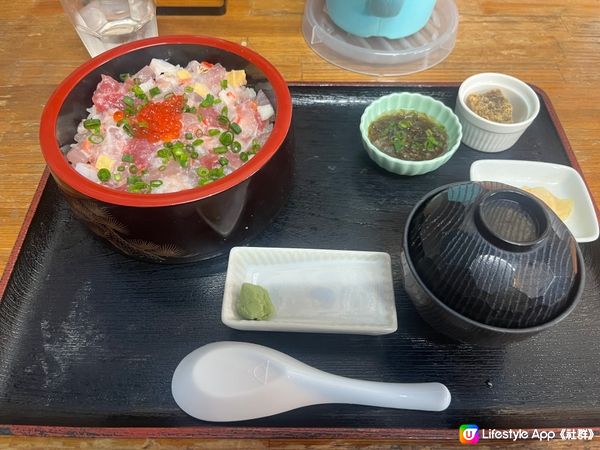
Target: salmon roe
pixel 118 115
pixel 160 121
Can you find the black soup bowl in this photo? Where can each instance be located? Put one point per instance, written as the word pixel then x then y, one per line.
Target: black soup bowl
pixel 188 225
pixel 489 264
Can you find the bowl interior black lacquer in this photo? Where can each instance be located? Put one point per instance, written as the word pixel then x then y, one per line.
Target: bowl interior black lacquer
pixel 495 255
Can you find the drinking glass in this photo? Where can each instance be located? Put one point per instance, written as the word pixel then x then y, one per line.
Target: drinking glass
pixel 104 24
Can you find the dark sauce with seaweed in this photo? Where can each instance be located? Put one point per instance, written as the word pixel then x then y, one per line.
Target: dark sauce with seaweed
pixel 409 135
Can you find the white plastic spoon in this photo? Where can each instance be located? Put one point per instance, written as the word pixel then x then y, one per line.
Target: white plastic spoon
pixel 229 381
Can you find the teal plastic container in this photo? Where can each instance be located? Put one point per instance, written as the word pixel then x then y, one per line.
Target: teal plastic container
pixel 392 19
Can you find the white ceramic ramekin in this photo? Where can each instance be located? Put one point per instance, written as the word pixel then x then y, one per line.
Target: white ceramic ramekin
pixel 488 136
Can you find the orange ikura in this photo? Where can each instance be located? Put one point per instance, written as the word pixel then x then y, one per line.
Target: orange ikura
pixel 160 121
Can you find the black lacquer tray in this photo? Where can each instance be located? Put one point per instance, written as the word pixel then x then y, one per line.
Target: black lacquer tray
pixel 89 339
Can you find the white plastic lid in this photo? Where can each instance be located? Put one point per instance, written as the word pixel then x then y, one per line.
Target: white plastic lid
pixel 380 56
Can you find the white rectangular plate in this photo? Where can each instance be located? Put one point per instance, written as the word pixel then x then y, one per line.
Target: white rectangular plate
pixel 319 291
pixel 562 181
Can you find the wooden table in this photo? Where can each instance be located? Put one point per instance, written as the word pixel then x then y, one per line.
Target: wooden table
pixel 553 44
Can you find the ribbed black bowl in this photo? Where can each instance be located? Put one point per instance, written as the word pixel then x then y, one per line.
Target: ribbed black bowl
pixel 488 263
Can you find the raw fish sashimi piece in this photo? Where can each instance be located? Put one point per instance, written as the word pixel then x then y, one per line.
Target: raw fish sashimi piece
pixel 108 94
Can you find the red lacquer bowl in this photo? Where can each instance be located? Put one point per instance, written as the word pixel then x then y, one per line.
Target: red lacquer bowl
pixel 182 226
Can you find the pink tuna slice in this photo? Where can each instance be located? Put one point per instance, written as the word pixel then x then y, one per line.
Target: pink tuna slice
pixel 212 79
pixel 141 150
pixel 77 155
pixel 249 119
pixel 234 161
pixel 210 117
pixel 209 161
pixel 108 94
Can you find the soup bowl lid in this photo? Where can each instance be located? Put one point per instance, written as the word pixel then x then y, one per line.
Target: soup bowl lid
pixel 494 254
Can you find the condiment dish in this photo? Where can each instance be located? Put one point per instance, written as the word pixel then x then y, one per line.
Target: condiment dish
pixel 314 290
pixel 562 181
pixel 395 102
pixel 488 136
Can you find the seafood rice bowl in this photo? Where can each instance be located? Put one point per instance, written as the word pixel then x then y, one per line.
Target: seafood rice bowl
pixel 172 149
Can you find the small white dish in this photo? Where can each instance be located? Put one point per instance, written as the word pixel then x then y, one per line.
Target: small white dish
pixel 319 291
pixel 561 181
pixel 488 136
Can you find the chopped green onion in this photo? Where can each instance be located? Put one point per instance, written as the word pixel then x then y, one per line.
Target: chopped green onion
pixel 124 76
pixel 188 89
pixel 255 147
pixel 133 169
pixel 142 124
pixel 121 168
pixel 216 101
pixel 214 131
pixel 156 183
pixel 133 179
pixel 139 92
pixel 194 155
pixel 223 84
pixel 154 91
pixel 220 150
pixel 168 144
pixel 244 156
pixel 208 101
pixel 223 121
pixel 138 186
pixel 127 128
pixel 200 118
pixel 117 176
pixel 181 157
pixel 91 124
pixel 137 80
pixel 104 175
pixel 127 158
pixel 163 153
pixel 235 128
pixel 216 173
pixel 96 138
pixel 198 142
pixel 223 161
pixel 162 168
pixel 128 101
pixel 236 147
pixel 168 95
pixel 202 171
pixel 189 136
pixel 224 111
pixel 189 109
pixel 226 138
